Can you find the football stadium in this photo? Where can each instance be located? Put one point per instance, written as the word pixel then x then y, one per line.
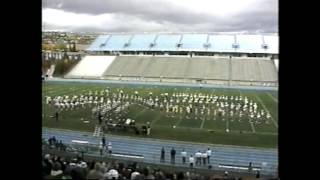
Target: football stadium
pixel 134 96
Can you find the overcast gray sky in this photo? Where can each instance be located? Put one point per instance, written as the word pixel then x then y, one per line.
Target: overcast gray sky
pixel 161 15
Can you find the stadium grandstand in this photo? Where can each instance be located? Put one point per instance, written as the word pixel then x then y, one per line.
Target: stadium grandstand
pixel 222 59
pixel 133 98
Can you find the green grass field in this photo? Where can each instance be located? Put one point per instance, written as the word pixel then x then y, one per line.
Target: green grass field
pixel 206 129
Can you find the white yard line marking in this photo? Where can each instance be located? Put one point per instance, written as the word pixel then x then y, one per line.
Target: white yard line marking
pixel 178 122
pixel 252 127
pixel 202 123
pixel 141 112
pixel 155 120
pixel 227 124
pixel 265 108
pixel 274 99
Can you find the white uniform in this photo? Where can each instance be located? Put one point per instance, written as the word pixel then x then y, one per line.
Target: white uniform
pixel 209 153
pixel 198 157
pixel 191 160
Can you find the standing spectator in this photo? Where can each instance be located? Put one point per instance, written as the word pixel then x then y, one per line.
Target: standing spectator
pixel 103 140
pixel 209 152
pixel 204 157
pixel 184 155
pixel 173 155
pixel 101 149
pixel 250 167
pixel 258 174
pixel 198 157
pixel 162 155
pixel 110 148
pixel 191 161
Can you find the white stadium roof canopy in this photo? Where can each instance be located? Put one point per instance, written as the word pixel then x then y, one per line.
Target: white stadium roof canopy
pixel 196 42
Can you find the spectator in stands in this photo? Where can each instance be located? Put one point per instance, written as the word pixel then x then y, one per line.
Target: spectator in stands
pixel 56 172
pixel 47 165
pixel 162 155
pixel 78 173
pixel 180 176
pixel 135 175
pixel 78 170
pixel 159 174
pixel 173 155
pixel 184 156
pixel 209 152
pixel 112 174
pixel 70 166
pixel 96 172
pixel 147 174
pixel 191 161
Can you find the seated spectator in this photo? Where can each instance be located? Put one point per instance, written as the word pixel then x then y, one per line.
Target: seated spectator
pixel 47 165
pixel 56 172
pixel 147 174
pixel 96 172
pixel 134 175
pixel 55 167
pixel 77 173
pixel 180 176
pixel 112 174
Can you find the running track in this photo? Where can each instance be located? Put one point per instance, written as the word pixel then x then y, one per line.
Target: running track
pixel 150 150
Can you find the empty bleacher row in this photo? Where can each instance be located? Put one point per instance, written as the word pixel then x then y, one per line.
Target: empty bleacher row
pixel 189 70
pixel 224 71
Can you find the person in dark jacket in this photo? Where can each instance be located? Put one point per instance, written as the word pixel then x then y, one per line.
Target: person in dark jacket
pixel 250 167
pixel 162 155
pixel 56 172
pixel 258 174
pixel 103 140
pixel 173 156
pixel 47 165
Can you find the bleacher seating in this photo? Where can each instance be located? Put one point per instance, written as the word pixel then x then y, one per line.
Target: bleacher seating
pixel 186 69
pixel 91 67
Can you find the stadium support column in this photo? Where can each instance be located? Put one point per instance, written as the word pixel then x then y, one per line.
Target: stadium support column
pixel 230 71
